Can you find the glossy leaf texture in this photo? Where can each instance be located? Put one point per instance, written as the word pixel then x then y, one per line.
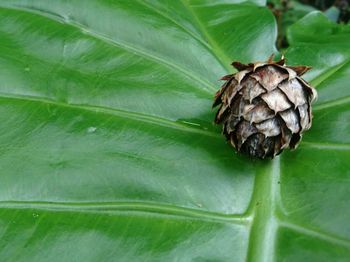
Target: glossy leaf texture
pixel 108 151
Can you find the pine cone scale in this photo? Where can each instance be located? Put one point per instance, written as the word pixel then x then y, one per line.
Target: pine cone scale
pixel 276 100
pixel 294 92
pixel 269 77
pixel 269 127
pixel 252 90
pixel 265 107
pixel 257 113
pixel 305 116
pixel 291 119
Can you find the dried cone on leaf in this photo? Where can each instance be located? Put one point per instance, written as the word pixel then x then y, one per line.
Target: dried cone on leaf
pixel 265 107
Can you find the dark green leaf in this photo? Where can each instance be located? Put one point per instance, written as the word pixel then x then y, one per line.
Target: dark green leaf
pixel 108 151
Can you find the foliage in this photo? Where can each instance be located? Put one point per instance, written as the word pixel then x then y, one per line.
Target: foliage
pixel 108 151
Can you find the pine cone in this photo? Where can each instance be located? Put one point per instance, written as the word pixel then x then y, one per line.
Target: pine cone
pixel 265 107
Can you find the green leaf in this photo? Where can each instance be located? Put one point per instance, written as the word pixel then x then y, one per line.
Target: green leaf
pixel 108 151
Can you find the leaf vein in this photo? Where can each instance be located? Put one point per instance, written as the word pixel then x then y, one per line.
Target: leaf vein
pixel 120 44
pixel 147 207
pixel 221 56
pixel 339 241
pixel 117 112
pixel 332 103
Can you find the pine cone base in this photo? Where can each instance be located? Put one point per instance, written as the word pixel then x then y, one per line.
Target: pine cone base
pixel 265 107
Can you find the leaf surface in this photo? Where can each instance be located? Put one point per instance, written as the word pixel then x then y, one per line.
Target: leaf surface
pixel 108 151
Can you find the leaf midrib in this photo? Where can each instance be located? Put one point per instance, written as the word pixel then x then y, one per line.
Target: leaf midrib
pixel 266 212
pixel 263 209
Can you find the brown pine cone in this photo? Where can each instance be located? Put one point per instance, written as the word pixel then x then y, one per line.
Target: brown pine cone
pixel 265 107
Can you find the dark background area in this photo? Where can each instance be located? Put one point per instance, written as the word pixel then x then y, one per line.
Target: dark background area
pixel 288 12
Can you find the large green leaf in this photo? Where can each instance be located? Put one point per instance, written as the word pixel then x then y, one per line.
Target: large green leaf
pixel 108 151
